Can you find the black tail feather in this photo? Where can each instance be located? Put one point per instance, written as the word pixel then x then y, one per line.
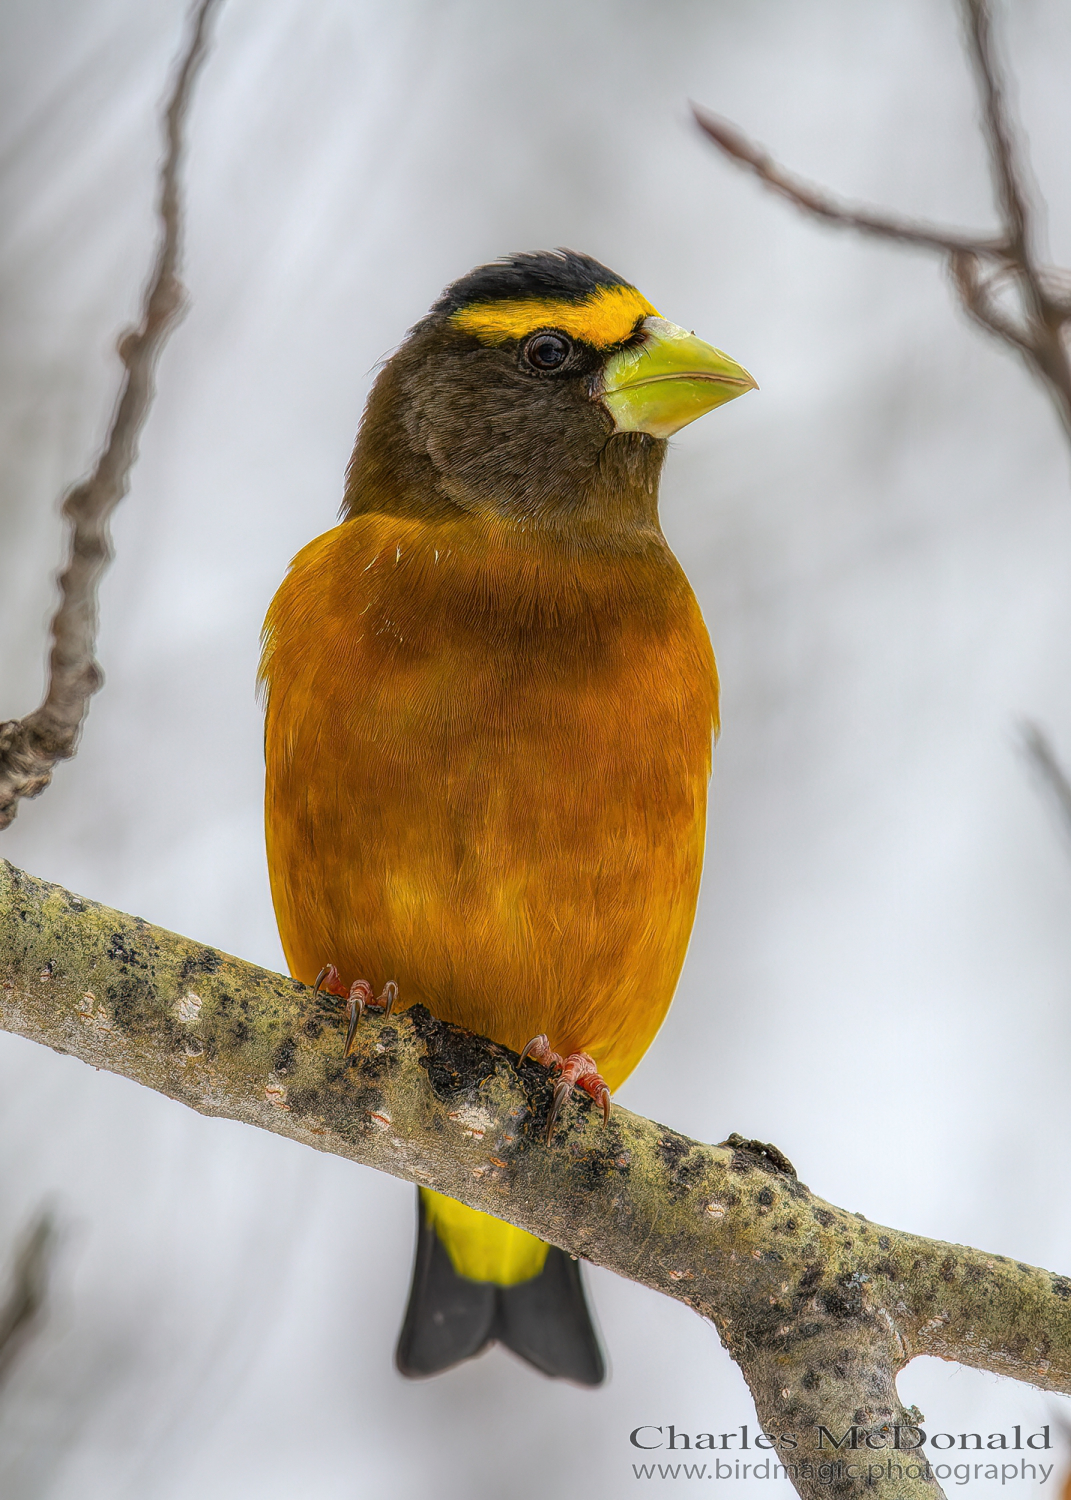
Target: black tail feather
pixel 450 1318
pixel 547 1322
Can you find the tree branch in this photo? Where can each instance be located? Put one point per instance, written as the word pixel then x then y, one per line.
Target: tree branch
pixel 1039 336
pixel 1047 353
pixel 821 204
pixel 820 1308
pixel 31 747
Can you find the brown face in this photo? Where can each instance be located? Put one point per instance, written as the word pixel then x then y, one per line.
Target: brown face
pixel 539 390
pixel 515 427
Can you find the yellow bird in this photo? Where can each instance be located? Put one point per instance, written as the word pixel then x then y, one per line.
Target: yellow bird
pixel 491 699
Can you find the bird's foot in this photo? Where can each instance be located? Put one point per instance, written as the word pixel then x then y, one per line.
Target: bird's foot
pixel 359 997
pixel 578 1070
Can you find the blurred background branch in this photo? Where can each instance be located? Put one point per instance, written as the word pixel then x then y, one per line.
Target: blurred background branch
pixel 1050 773
pixel 31 747
pixel 21 1310
pixel 983 267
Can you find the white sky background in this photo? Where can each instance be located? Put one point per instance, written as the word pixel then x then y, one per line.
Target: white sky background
pixel 880 539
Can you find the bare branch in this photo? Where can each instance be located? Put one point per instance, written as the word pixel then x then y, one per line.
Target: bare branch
pixel 991 88
pixel 823 205
pixel 29 1285
pixel 820 1308
pixel 1050 772
pixel 977 299
pixel 1047 352
pixel 1039 338
pixel 31 747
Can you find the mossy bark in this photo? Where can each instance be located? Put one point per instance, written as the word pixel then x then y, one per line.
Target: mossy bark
pixel 820 1308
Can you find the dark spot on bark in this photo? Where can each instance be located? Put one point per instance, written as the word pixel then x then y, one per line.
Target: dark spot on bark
pixel 305 1101
pixel 974 1273
pixel 883 1242
pixel 811 1380
pixel 845 1299
pixel 683 1160
pixel 127 1000
pixel 344 1103
pixel 375 1064
pixel 241 1033
pixel 284 1055
pixel 824 1217
pixel 769 1155
pixel 455 1060
pixel 673 1148
pixel 1060 1285
pixel 204 961
pixel 1028 1270
pixel 131 992
pixel 764 1197
pixel 948 1269
pixel 810 1278
pixel 121 950
pixel 788 1227
pixel 608 1158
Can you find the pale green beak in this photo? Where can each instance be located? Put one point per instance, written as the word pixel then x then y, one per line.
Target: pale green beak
pixel 669 380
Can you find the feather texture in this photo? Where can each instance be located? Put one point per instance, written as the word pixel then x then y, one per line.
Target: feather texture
pixel 488 753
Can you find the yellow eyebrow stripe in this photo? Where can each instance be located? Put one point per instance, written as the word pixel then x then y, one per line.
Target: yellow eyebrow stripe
pixel 607 317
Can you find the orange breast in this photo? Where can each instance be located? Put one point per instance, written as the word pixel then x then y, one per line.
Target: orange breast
pixel 487 762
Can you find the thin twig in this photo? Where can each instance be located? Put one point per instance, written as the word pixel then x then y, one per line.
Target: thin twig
pixel 1051 773
pixel 824 205
pixel 1044 314
pixel 1005 169
pixel 31 747
pixel 1038 337
pixel 976 296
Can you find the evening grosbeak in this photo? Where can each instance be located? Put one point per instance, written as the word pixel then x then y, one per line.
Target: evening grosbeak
pixel 491 699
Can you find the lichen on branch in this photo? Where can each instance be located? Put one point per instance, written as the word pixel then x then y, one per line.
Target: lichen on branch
pixel 819 1307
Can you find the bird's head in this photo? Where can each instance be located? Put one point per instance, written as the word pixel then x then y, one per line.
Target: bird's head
pixel 541 389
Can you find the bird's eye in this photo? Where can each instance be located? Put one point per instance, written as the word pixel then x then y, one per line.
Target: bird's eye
pixel 547 351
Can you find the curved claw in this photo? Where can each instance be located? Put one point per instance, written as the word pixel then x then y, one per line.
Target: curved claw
pixel 356 1012
pixel 562 1090
pixel 328 982
pixel 537 1044
pixel 360 997
pixel 603 1098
